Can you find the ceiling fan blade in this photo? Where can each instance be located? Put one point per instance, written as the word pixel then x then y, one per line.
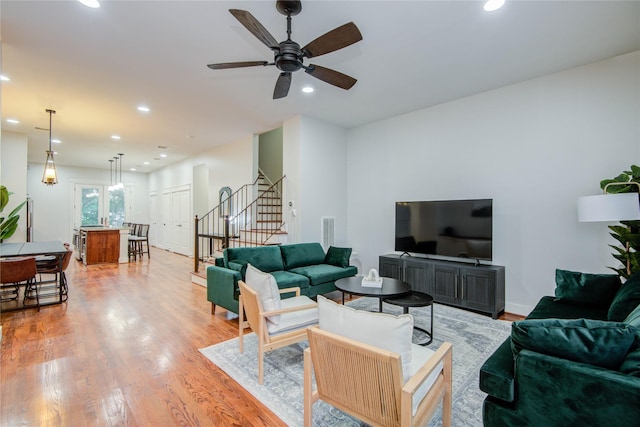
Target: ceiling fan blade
pixel 225 65
pixel 330 76
pixel 282 86
pixel 255 27
pixel 335 39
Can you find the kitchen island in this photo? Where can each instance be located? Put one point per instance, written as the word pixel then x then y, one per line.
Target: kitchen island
pixel 102 245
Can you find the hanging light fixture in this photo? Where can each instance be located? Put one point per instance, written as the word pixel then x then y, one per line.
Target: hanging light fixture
pixel 110 174
pixel 50 176
pixel 120 184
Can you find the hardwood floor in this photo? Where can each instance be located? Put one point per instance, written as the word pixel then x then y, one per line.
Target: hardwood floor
pixel 123 351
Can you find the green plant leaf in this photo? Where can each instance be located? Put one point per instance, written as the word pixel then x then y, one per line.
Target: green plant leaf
pixel 17 208
pixel 4 197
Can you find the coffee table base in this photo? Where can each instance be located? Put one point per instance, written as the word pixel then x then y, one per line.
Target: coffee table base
pixel 414 299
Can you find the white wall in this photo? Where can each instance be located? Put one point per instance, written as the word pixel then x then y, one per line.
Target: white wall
pixel 314 161
pixel 13 152
pixel 533 147
pixel 52 205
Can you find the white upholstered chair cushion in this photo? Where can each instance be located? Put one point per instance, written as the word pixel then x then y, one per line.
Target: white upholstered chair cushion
pixel 267 289
pixel 296 319
pixel 386 331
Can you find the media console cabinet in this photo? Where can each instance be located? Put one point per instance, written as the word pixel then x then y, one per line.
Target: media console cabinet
pixel 477 287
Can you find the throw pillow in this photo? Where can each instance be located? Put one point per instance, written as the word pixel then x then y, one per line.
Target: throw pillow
pixel 338 256
pixel 386 331
pixel 594 342
pixel 577 288
pixel 267 289
pixel 239 265
pixel 626 299
pixel 633 318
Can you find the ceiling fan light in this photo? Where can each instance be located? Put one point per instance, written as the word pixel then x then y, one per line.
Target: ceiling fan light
pixel 492 5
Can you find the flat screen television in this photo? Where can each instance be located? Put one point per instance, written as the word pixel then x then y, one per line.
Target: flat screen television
pixel 446 228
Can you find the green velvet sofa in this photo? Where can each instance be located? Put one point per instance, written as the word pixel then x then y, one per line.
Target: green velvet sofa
pixel 574 361
pixel 302 265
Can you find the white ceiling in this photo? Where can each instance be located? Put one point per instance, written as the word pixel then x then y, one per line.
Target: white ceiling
pixel 95 66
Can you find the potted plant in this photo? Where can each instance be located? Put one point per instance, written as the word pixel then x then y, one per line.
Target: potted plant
pixel 9 224
pixel 628 234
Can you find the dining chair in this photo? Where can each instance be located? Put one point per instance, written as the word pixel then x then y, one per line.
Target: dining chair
pixel 13 273
pixel 54 266
pixel 281 323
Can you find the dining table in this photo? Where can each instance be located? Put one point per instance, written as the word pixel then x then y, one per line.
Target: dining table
pixel 51 250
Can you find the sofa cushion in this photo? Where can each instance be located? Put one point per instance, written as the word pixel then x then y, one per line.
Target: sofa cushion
pixel 286 279
pixel 386 331
pixel 301 254
pixel 631 363
pixel 264 258
pixel 267 289
pixel 323 273
pixel 586 289
pixel 338 256
pixel 626 299
pixel 548 308
pixel 594 342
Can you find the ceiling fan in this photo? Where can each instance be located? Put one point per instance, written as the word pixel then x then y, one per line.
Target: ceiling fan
pixel 289 56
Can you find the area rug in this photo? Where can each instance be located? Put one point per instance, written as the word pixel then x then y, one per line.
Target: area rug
pixel 474 338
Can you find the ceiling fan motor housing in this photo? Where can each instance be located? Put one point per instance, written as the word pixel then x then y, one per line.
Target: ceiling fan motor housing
pixel 289 59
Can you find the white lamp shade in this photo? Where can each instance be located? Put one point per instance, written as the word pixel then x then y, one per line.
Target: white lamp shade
pixel 609 207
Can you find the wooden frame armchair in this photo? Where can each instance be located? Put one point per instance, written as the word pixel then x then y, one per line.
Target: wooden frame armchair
pixel 367 382
pixel 291 327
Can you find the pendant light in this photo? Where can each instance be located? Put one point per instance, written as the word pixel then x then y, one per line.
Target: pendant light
pixel 50 176
pixel 120 184
pixel 110 174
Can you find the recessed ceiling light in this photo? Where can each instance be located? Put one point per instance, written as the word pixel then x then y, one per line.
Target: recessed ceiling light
pixel 492 5
pixel 56 141
pixel 132 169
pixel 115 136
pixel 13 121
pixel 143 108
pixel 163 155
pixel 4 78
pixel 94 4
pixel 145 163
pixel 307 89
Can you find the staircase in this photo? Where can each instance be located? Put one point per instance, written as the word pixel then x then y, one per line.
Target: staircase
pixel 251 216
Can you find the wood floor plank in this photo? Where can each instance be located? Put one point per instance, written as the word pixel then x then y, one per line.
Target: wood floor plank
pixel 123 350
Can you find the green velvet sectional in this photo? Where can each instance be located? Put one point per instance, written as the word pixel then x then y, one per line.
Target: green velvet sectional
pixel 302 265
pixel 574 361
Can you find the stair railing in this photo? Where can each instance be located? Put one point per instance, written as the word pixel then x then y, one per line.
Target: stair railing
pixel 261 220
pixel 241 220
pixel 212 230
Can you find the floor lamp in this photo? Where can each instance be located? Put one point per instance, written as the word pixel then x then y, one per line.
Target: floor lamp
pixel 611 207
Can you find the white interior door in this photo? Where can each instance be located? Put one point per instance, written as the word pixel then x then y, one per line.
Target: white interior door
pixel 165 221
pixel 181 216
pixel 154 221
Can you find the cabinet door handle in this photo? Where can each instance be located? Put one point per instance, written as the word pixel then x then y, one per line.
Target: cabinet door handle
pixel 462 287
pixel 455 288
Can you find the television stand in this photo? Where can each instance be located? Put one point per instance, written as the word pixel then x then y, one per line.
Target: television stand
pixel 476 287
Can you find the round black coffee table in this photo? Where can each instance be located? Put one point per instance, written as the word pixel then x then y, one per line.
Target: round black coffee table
pixel 390 288
pixel 414 299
